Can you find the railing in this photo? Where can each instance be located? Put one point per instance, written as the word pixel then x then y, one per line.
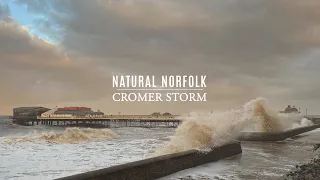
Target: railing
pixel 111 117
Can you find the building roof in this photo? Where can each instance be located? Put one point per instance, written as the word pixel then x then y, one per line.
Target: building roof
pixel 78 112
pixel 31 108
pixel 167 114
pixel 74 109
pixel 290 109
pixel 50 111
pixel 156 114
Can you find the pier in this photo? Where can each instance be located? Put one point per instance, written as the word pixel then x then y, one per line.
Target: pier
pixel 103 121
pixel 85 117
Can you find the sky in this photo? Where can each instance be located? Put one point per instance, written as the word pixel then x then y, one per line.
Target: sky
pixel 64 52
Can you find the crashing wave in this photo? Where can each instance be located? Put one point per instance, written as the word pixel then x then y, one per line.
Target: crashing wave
pixel 69 135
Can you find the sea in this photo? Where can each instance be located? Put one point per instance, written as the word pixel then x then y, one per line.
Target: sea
pixel 46 152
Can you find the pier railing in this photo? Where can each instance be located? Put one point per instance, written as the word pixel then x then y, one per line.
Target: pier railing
pixel 109 117
pixel 108 121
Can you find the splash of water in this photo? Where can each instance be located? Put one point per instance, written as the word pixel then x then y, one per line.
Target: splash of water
pixel 302 123
pixel 204 131
pixel 268 120
pixel 69 135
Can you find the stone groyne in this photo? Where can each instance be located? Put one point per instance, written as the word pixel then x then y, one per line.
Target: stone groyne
pixel 275 136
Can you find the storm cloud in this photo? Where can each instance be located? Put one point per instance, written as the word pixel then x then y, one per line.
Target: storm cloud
pixel 246 48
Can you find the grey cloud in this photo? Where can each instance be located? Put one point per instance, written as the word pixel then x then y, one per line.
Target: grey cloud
pixel 265 37
pixel 247 48
pixel 35 71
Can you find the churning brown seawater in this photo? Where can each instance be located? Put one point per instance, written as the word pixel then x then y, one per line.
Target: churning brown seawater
pixel 41 152
pixel 69 135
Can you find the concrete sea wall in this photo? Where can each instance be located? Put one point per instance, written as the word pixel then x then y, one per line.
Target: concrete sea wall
pixel 160 166
pixel 275 136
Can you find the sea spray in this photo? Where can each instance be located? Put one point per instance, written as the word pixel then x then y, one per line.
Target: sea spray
pixel 268 120
pixel 304 122
pixel 204 131
pixel 68 136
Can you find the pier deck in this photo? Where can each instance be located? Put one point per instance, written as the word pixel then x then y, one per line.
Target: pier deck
pixel 103 121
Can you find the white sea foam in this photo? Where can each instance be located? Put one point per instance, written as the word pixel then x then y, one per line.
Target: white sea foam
pixel 204 131
pixel 69 135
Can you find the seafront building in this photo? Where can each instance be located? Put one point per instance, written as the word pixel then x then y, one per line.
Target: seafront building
pixel 23 114
pixel 29 111
pixel 292 109
pixel 72 111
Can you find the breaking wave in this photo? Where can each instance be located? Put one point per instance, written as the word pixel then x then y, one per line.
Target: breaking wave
pixel 268 120
pixel 68 136
pixel 204 131
pixel 302 123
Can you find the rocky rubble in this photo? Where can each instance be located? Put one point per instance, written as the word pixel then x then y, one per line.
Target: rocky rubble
pixel 309 171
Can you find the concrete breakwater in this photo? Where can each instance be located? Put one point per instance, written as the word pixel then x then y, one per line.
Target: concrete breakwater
pixel 275 136
pixel 157 167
